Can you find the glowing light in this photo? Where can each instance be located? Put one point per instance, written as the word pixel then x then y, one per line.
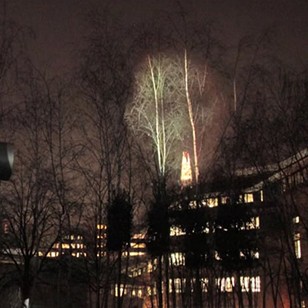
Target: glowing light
pixel 186 174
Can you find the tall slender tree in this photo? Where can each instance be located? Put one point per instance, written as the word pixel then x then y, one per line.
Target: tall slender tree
pixel 104 86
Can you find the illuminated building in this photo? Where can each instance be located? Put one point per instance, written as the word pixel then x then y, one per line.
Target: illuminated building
pixel 238 241
pixel 186 174
pixel 71 245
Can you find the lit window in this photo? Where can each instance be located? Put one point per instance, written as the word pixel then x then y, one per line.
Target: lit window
pixel 149 267
pixel 101 227
pixel 252 284
pixel 149 291
pixel 176 231
pixel 176 284
pixel 212 202
pixel 217 257
pixel 204 284
pixel 254 223
pixel 296 220
pixel 138 245
pixel 248 198
pixel 225 284
pixel 206 230
pixel 252 253
pixel 138 236
pixel 123 290
pixel 261 196
pixel 255 254
pixel 52 254
pixel 193 204
pixel 177 258
pixel 224 200
pixel 136 253
pixel 297 245
pixel 139 294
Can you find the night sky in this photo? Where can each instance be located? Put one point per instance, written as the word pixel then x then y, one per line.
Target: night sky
pixel 59 24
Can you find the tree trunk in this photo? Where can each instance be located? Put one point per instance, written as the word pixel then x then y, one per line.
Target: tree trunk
pixel 159 283
pixel 191 120
pixel 26 284
pixel 119 302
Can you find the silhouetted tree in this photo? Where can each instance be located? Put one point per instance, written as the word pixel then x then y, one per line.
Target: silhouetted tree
pixel 104 87
pixel 29 201
pixel 119 228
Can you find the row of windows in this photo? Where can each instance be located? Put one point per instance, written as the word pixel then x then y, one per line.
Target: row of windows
pixel 227 284
pixel 178 258
pixel 134 291
pixel 55 254
pixel 138 253
pixel 215 201
pixel 223 284
pixel 69 246
pixel 73 237
pixel 254 223
pixel 179 285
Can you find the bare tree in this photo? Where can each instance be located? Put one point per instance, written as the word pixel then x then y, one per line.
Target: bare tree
pixel 156 116
pixel 29 203
pixel 104 86
pixel 156 112
pixel 270 139
pixel 200 61
pixel 63 148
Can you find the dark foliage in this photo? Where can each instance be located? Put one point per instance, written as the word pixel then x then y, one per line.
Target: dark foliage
pixel 119 222
pixel 235 243
pixel 158 229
